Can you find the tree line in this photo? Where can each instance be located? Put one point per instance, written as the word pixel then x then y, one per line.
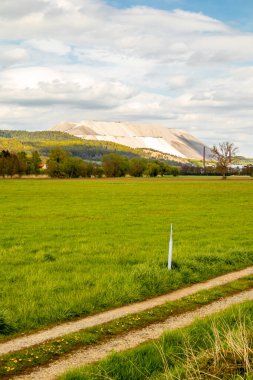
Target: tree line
pixel 19 163
pixel 61 165
pixel 214 170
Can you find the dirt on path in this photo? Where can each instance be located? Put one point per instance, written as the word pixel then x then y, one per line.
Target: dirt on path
pixel 107 316
pixel 132 339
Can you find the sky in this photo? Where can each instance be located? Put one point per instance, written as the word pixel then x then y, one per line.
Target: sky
pixel 185 64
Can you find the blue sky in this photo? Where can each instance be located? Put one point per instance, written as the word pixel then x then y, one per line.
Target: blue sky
pixel 185 64
pixel 238 13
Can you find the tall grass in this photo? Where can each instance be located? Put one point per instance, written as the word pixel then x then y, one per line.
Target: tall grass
pixel 71 248
pixel 230 353
pixel 215 348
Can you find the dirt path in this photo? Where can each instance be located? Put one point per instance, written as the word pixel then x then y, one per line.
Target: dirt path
pixel 107 316
pixel 132 339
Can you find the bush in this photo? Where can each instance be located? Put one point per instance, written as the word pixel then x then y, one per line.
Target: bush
pixel 11 163
pixel 115 165
pixel 152 169
pixel 175 171
pixel 61 165
pixel 98 171
pixel 137 167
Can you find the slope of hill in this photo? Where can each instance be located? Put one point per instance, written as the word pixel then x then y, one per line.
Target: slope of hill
pixel 146 136
pixel 45 141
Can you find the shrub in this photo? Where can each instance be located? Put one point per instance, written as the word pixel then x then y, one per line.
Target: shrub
pixel 136 167
pixel 175 171
pixel 115 165
pixel 152 169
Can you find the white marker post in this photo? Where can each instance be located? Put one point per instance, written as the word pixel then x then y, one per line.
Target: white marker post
pixel 170 248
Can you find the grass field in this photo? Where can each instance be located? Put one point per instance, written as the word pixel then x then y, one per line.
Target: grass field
pixel 71 248
pixel 220 347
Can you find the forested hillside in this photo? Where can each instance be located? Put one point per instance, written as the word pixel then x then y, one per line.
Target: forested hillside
pixel 45 141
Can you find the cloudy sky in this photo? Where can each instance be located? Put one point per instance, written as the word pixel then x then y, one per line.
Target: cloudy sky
pixel 184 64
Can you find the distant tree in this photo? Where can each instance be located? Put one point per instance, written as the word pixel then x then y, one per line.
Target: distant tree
pixel 3 163
pixel 248 170
pixel 10 164
pixel 175 171
pixel 60 164
pixel 191 169
pixel 56 162
pixel 115 165
pixel 224 154
pixel 98 171
pixel 24 167
pixel 165 169
pixel 58 155
pixel 35 162
pixel 152 169
pixel 13 166
pixel 137 167
pixel 71 167
pixel 87 169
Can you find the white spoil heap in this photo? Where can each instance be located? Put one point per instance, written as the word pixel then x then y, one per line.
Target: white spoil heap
pixel 171 141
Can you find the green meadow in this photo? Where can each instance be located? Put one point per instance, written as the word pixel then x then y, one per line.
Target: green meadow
pixel 70 248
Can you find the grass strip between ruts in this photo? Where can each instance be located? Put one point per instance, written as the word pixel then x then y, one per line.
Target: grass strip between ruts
pixel 24 360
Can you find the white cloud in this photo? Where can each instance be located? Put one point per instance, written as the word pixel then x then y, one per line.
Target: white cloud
pixel 75 59
pixel 10 55
pixel 49 45
pixel 10 9
pixel 177 82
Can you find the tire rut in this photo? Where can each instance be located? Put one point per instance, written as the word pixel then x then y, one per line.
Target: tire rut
pixel 132 339
pixel 110 315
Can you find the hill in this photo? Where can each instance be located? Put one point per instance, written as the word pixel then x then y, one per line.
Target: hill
pixel 45 141
pixel 146 136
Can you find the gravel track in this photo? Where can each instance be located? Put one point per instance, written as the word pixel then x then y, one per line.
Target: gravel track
pixel 132 339
pixel 107 316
